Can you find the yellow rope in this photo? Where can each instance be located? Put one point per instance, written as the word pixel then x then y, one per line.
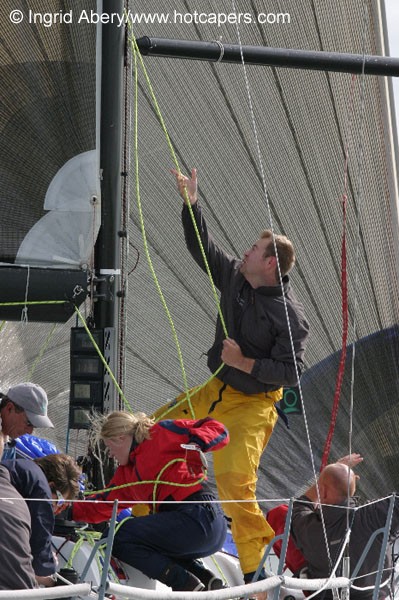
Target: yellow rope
pixel 149 481
pixel 155 278
pixel 74 552
pixel 188 395
pixel 156 482
pixel 136 52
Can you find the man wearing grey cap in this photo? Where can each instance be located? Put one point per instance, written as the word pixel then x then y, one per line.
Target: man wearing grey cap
pixel 23 408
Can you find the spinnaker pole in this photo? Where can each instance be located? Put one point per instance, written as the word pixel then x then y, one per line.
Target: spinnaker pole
pixel 276 57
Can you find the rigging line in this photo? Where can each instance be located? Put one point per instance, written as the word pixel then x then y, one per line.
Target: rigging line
pixel 308 178
pixel 265 191
pixel 187 167
pixel 174 272
pixel 344 297
pixel 106 365
pixel 202 478
pixel 161 120
pixel 251 159
pixel 257 143
pixel 203 195
pixel 149 260
pixel 143 482
pixel 359 197
pixel 171 148
pixel 24 313
pixel 151 367
pixel 306 170
pixel 357 253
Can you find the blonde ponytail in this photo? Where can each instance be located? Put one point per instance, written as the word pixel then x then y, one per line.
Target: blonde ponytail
pixel 122 423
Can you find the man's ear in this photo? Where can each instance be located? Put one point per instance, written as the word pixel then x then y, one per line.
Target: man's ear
pixel 322 492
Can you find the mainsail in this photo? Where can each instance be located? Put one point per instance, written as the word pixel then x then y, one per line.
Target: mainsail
pixel 304 122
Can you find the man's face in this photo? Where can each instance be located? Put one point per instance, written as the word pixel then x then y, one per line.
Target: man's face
pixel 14 424
pixel 253 262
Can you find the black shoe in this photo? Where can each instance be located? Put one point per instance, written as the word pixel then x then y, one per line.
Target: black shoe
pixel 215 583
pixel 193 584
pixel 210 580
pixel 208 577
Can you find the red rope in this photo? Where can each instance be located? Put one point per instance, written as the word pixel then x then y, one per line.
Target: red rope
pixel 344 296
pixel 341 368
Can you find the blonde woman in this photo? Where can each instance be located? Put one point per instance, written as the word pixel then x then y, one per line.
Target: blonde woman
pixel 164 465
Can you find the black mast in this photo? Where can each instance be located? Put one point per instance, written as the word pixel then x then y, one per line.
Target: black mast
pixel 103 395
pixel 107 246
pixel 107 249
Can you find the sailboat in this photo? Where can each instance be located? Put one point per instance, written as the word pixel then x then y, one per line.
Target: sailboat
pixel 68 184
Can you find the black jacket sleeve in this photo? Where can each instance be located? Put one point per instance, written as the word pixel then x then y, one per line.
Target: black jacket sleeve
pixel 218 260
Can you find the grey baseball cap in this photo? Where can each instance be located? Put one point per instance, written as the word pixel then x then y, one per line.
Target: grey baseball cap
pixel 33 399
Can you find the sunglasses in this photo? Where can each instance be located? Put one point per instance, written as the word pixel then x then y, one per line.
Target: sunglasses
pixel 60 499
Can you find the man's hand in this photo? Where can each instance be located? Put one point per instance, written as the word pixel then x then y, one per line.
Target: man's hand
pixel 351 460
pixel 187 187
pixel 233 357
pixel 46 580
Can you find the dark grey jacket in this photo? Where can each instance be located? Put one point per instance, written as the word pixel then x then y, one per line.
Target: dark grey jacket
pixel 255 318
pixel 30 481
pixel 16 571
pixel 307 531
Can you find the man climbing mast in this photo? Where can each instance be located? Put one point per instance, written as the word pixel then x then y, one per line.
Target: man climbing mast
pixel 258 360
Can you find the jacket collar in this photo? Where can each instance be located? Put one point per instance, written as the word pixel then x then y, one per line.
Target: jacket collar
pixel 269 290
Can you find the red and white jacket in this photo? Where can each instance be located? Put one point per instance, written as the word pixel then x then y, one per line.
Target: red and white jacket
pixel 156 465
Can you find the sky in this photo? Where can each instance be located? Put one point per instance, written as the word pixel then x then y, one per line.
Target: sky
pixel 392 10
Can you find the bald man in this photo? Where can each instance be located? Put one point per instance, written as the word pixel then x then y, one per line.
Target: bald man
pixel 337 486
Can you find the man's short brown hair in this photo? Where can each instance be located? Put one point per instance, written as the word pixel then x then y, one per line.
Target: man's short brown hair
pixel 62 471
pixel 285 251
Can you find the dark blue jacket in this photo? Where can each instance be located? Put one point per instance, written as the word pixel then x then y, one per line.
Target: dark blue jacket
pixel 30 481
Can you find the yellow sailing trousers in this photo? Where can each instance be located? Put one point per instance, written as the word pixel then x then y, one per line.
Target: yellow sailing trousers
pixel 250 420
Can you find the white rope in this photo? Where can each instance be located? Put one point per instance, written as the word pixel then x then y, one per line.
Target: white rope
pixel 24 313
pixel 233 592
pixel 62 591
pixel 255 130
pixel 359 197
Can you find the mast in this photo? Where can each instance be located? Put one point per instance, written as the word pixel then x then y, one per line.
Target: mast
pixel 107 249
pixel 276 57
